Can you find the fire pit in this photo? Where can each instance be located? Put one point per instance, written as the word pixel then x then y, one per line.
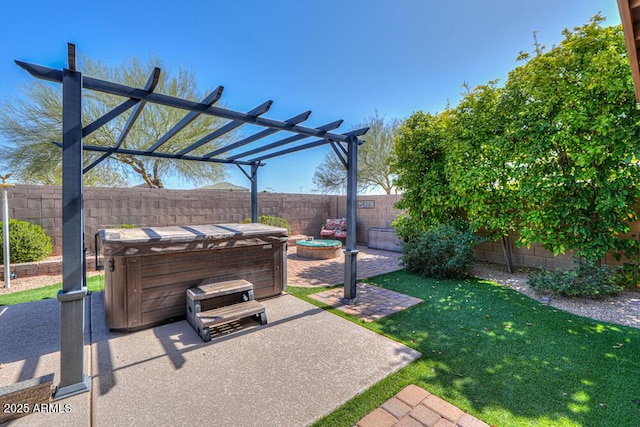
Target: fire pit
pixel 319 249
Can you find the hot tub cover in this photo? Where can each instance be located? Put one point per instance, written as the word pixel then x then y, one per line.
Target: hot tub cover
pixel 155 240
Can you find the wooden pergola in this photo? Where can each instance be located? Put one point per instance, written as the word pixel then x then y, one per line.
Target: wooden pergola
pixel 73 379
pixel 630 17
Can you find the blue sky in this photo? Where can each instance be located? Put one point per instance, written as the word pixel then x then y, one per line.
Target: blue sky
pixel 339 59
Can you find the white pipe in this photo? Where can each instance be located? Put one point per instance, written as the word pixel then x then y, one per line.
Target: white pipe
pixel 5 234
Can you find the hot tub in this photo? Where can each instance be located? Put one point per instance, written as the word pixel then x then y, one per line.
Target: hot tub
pixel 148 270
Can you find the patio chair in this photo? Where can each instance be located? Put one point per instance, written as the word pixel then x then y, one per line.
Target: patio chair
pixel 334 228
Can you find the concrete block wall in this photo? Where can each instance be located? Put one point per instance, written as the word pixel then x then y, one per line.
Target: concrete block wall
pixel 381 215
pixel 533 256
pixel 144 207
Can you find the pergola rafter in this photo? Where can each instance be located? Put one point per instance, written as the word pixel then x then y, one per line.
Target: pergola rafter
pixel 73 380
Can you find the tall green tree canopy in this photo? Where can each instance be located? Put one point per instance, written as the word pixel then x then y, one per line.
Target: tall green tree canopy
pixel 479 168
pixel 420 160
pixel 30 123
pixel 374 169
pixel 553 153
pixel 574 125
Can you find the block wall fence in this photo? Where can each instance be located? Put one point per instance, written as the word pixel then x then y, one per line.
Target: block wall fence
pixel 145 207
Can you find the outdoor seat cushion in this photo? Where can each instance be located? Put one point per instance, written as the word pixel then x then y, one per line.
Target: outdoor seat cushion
pixel 340 234
pixel 335 227
pixel 336 224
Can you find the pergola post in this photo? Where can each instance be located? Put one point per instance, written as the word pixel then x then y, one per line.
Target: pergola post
pixel 73 379
pixel 350 251
pixel 254 193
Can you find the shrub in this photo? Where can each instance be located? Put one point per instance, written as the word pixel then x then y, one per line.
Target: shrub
pixel 27 242
pixel 445 252
pixel 630 275
pixel 406 228
pixel 586 280
pixel 273 221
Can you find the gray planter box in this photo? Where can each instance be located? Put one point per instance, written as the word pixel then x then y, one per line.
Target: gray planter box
pixel 384 238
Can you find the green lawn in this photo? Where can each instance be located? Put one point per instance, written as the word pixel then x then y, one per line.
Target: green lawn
pixel 503 357
pixel 94 284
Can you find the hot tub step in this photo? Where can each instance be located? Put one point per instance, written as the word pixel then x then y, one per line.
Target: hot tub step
pixel 210 289
pixel 237 304
pixel 207 319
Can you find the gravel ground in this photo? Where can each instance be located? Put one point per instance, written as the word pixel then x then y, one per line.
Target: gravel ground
pixel 623 309
pixel 26 283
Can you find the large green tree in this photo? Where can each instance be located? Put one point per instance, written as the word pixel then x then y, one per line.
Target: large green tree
pixel 554 153
pixel 479 167
pixel 373 160
pixel 576 139
pixel 29 123
pixel 420 160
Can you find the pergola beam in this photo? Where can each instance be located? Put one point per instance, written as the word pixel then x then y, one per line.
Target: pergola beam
pixel 102 149
pixel 50 74
pixel 312 144
pixel 286 141
pixel 260 109
pixel 211 99
pixel 262 134
pixel 152 82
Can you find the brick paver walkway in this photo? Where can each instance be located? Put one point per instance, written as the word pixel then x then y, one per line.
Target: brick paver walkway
pixel 373 302
pixel 323 272
pixel 415 406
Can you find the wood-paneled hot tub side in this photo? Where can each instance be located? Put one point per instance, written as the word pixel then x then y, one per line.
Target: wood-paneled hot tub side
pixel 148 270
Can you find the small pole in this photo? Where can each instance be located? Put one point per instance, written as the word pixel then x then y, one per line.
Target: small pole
pixel 5 233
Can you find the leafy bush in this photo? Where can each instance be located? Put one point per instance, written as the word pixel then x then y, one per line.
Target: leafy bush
pixel 27 242
pixel 586 280
pixel 630 275
pixel 445 252
pixel 273 221
pixel 406 228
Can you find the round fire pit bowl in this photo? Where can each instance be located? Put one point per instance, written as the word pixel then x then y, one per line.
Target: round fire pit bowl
pixel 319 249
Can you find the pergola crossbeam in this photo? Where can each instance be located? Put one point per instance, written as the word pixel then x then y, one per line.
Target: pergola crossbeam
pixel 262 134
pixel 286 141
pixel 131 152
pixel 260 109
pixel 137 110
pixel 211 99
pixel 312 144
pixel 170 101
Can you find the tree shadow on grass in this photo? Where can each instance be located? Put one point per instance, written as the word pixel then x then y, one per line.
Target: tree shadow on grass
pixel 503 356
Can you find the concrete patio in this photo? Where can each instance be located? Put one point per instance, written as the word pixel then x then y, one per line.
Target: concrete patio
pixel 301 366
